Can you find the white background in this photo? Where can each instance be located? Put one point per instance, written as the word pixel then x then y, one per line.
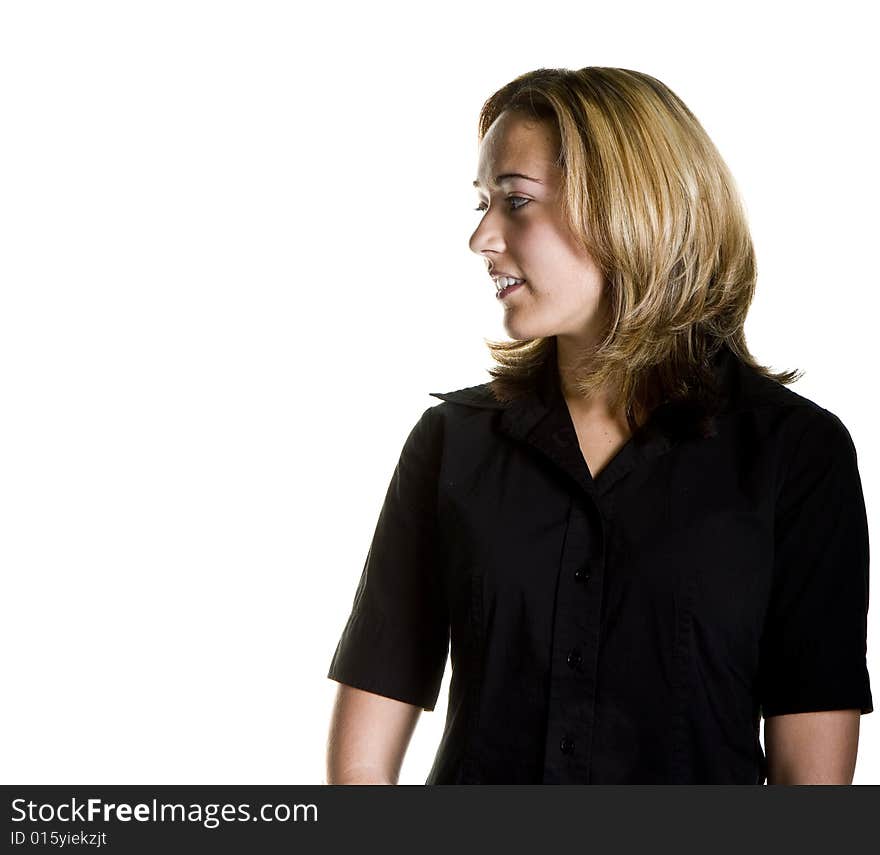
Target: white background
pixel 234 263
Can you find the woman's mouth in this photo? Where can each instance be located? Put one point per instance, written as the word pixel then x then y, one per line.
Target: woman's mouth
pixel 504 292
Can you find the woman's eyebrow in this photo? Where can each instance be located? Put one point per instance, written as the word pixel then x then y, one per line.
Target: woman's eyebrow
pixel 500 178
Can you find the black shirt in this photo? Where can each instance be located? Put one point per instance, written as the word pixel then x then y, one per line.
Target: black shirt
pixel 628 628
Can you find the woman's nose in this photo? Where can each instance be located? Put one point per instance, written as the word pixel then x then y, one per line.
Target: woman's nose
pixel 486 236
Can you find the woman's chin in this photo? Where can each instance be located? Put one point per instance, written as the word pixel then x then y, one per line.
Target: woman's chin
pixel 520 331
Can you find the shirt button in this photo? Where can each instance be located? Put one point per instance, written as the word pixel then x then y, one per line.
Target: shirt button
pixel 566 745
pixel 574 659
pixel 581 574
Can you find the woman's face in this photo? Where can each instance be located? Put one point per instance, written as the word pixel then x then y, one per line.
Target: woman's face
pixel 522 233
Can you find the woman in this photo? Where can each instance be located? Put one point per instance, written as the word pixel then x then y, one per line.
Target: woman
pixel 638 539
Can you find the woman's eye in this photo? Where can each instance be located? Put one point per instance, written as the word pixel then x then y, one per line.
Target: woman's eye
pixel 482 207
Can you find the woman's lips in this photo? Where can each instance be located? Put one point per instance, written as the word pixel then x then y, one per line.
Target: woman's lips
pixel 500 295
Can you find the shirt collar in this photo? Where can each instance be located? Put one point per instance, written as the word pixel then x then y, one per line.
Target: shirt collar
pixel 542 420
pixel 695 416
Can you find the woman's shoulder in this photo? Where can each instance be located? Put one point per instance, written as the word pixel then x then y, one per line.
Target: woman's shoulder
pixel 799 426
pixel 758 392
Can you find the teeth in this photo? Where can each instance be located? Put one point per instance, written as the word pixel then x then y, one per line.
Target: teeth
pixel 505 281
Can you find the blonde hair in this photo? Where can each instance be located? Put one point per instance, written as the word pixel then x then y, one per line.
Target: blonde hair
pixel 649 197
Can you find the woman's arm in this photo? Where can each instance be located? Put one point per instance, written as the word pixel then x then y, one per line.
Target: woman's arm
pixel 812 748
pixel 369 735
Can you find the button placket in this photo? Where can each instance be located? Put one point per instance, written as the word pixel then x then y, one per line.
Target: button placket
pixel 573 676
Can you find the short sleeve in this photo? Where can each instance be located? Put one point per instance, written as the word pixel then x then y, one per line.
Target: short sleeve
pixel 396 639
pixel 813 650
